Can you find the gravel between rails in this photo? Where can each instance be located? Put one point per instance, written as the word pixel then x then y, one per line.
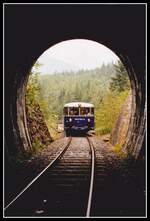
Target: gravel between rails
pixel 40 160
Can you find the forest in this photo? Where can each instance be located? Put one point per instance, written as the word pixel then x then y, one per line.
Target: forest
pixel 106 87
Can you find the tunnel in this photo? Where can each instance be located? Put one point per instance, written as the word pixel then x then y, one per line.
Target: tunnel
pixel 32 29
pixel 29 30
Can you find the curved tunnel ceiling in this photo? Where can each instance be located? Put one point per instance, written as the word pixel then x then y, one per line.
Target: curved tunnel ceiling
pixel 32 29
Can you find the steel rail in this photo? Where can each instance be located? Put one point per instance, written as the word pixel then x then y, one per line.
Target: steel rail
pixel 92 178
pixel 49 165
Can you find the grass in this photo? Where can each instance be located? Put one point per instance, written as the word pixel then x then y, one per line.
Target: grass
pixel 37 145
pixel 102 131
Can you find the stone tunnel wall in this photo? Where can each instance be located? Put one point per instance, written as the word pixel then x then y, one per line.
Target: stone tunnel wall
pixel 114 26
pixel 135 142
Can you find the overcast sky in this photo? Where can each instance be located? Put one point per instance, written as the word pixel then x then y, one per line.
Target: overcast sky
pixel 74 55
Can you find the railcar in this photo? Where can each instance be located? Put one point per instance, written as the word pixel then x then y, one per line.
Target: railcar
pixel 78 117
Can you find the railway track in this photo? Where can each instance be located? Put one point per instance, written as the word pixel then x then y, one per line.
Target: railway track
pixel 81 181
pixel 63 188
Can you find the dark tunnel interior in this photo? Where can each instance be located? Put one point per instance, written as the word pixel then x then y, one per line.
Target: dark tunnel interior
pixel 32 29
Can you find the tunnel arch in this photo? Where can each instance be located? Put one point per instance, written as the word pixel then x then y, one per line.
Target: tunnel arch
pixel 18 67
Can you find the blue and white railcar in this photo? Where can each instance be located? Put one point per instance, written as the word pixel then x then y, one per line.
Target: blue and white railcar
pixel 78 117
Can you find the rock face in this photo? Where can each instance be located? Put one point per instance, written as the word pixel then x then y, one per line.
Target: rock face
pixel 119 132
pixel 38 131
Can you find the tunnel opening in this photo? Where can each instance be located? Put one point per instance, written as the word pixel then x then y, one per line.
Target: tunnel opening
pixel 77 78
pixel 132 143
pixel 104 84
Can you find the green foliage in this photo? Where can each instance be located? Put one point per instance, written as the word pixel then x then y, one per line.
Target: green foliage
pixel 118 150
pixel 102 130
pixel 37 145
pixel 32 89
pixel 121 81
pixel 32 100
pixel 108 111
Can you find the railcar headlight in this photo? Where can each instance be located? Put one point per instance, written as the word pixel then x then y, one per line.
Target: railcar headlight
pixel 70 119
pixel 89 119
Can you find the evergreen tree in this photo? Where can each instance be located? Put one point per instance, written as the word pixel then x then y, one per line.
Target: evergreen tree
pixel 121 81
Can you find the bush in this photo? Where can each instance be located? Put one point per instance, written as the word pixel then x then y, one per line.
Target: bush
pixel 118 150
pixel 108 111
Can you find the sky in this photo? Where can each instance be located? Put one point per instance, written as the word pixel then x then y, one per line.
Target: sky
pixel 75 55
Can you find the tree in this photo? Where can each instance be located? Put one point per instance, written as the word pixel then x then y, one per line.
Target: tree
pixel 121 81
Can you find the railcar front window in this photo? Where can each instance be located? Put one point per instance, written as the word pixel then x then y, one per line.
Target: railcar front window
pixel 73 111
pixel 87 111
pixel 65 111
pixel 84 111
pixel 76 111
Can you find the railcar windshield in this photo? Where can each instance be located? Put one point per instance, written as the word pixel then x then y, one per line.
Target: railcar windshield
pixel 80 111
pixel 73 111
pixel 85 111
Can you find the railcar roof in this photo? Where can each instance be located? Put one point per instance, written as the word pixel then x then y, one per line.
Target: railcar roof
pixel 77 104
